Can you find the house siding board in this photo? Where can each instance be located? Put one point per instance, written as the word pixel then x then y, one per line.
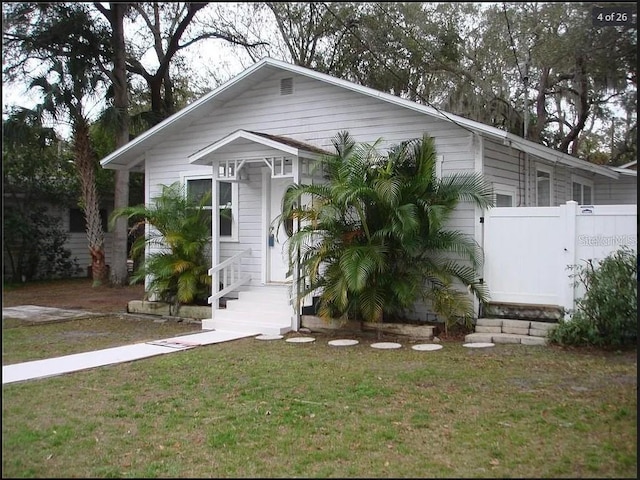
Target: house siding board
pixel 560 174
pixel 501 165
pixel 76 243
pixel 616 192
pixel 79 246
pixel 314 114
pixel 250 233
pixel 504 166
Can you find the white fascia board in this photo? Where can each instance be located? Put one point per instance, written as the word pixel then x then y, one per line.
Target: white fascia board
pixel 625 171
pixel 168 122
pixel 199 157
pixel 555 156
pixel 627 165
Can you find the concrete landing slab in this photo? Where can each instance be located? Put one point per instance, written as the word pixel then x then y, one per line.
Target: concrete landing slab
pixel 37 315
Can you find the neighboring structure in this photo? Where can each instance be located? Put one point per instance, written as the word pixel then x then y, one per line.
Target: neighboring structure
pixel 72 223
pixel 252 136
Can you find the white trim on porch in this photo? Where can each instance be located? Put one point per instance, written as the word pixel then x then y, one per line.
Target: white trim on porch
pixel 285 158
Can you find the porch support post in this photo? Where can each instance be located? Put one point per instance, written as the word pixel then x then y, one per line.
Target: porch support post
pixel 295 166
pixel 215 236
pixel 568 214
pixel 266 202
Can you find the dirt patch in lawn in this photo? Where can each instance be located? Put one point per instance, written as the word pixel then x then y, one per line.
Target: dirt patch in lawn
pixel 78 293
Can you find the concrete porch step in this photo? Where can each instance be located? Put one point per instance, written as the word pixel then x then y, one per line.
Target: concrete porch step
pixel 246 326
pixel 266 294
pixel 259 307
pixel 254 315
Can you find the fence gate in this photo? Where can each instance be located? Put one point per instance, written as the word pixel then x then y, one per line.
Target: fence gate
pixel 528 249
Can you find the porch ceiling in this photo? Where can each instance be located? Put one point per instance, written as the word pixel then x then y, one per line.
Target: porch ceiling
pixel 248 144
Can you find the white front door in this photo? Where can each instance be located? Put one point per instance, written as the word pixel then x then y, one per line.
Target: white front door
pixel 277 262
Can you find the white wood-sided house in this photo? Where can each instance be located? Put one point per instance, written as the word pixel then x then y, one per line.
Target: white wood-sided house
pixel 263 129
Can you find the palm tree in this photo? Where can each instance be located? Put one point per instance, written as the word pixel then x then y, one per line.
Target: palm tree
pixel 67 96
pixel 180 231
pixel 372 238
pixel 64 42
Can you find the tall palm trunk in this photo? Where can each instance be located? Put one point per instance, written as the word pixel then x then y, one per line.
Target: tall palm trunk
pixel 85 161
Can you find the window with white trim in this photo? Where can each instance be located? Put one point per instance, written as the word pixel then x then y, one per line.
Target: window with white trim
pixel 544 183
pixel 197 187
pixel 581 190
pixel 504 195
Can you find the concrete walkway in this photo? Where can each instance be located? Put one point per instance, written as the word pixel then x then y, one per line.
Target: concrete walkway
pixel 81 361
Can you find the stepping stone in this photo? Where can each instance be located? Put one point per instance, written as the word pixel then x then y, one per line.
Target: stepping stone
pixel 386 345
pixel 479 345
pixel 343 343
pixel 426 347
pixel 300 339
pixel 269 337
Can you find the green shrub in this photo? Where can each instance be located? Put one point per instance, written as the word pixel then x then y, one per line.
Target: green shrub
pixel 34 245
pixel 177 261
pixel 606 316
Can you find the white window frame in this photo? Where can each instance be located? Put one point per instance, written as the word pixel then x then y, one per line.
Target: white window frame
pixel 583 182
pixel 548 170
pixel 439 162
pixel 506 190
pixel 185 178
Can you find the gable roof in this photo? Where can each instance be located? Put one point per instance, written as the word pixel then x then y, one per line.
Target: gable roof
pixel 630 169
pixel 132 153
pixel 284 144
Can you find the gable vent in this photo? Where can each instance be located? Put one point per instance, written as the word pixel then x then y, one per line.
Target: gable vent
pixel 286 86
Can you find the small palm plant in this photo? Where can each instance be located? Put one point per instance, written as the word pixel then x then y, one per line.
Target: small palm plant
pixel 372 238
pixel 177 262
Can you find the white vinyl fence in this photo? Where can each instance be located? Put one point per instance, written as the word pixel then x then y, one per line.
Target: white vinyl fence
pixel 528 249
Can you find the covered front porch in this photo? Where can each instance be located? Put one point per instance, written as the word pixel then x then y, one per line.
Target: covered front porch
pixel 250 267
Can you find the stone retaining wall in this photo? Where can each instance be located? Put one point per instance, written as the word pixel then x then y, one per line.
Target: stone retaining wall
pixel 517 327
pixel 164 309
pixel 317 324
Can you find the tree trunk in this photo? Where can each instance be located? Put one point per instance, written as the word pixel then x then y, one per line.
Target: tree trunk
pixel 120 252
pixel 541 113
pixel 582 107
pixel 86 164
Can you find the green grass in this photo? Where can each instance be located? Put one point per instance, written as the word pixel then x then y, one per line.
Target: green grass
pixel 251 408
pixel 22 342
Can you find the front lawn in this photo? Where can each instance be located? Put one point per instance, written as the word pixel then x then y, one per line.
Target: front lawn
pixel 252 408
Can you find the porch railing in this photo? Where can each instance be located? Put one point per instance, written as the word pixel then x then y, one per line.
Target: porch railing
pixel 229 275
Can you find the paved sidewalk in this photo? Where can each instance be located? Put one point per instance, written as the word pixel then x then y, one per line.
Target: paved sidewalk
pixel 81 361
